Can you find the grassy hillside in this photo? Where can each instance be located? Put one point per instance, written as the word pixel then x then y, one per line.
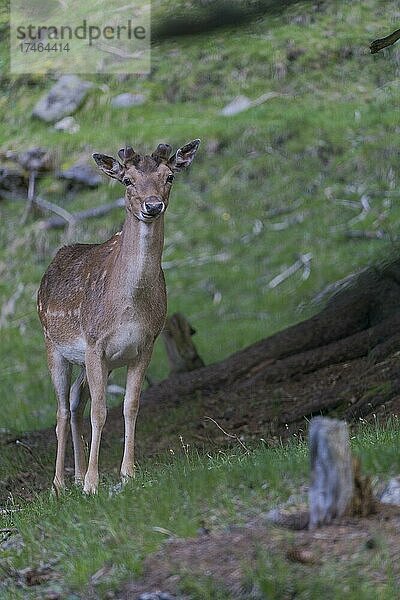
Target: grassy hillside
pixel 91 546
pixel 330 140
pixel 285 178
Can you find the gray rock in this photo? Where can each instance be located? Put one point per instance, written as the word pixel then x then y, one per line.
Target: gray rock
pixel 36 159
pixel 68 124
pixel 127 99
pixel 391 493
pixel 13 543
pixel 13 183
pixel 63 99
pixel 81 175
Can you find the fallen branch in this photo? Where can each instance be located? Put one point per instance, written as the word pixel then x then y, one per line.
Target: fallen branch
pixel 292 220
pixel 381 43
pixel 197 262
pixel 116 51
pixel 67 217
pixel 258 227
pixel 333 287
pixel 358 234
pixel 268 96
pixel 365 209
pixel 347 203
pixel 98 211
pixel 282 210
pixel 303 262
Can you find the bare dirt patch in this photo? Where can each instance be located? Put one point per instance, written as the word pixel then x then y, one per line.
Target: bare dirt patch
pixel 227 556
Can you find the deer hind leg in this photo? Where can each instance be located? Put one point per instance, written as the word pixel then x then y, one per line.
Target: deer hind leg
pixel 96 373
pixel 78 398
pixel 134 382
pixel 60 370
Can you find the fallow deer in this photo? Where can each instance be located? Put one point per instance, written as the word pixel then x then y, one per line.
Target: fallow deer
pixel 102 306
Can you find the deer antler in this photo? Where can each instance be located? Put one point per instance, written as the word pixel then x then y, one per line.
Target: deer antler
pixel 128 156
pixel 162 152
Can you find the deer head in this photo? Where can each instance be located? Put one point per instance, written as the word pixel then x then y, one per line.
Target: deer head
pixel 148 179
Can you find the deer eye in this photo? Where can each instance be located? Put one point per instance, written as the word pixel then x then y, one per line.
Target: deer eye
pixel 126 181
pixel 170 178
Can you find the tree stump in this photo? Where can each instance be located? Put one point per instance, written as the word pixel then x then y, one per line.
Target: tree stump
pixel 337 488
pixel 332 479
pixel 181 351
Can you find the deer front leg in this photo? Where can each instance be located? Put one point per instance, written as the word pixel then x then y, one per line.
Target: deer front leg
pixel 60 370
pixel 134 382
pixel 78 398
pixel 96 373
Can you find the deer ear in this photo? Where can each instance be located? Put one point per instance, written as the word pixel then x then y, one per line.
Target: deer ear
pixel 109 166
pixel 184 156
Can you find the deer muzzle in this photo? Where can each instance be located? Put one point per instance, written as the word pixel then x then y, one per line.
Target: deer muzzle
pixel 153 206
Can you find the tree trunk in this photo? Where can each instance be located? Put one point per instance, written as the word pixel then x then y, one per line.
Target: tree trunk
pixel 330 362
pixel 181 351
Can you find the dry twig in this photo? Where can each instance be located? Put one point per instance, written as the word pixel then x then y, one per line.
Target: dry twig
pixel 29 449
pixel 230 435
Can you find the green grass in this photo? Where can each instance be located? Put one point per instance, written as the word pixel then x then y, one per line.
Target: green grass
pixel 84 534
pixel 331 138
pixel 273 580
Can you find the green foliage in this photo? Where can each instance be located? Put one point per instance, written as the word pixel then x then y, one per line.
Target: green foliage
pixel 271 577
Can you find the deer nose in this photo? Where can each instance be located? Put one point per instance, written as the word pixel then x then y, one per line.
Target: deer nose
pixel 153 206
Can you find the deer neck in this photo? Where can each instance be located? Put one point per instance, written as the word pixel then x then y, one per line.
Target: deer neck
pixel 140 252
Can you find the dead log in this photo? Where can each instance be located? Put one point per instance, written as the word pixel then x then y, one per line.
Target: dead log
pixel 381 43
pixel 332 483
pixel 181 351
pixel 358 318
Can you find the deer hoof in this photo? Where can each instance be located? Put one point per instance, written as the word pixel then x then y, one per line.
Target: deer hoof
pixel 126 477
pixel 58 486
pixel 90 486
